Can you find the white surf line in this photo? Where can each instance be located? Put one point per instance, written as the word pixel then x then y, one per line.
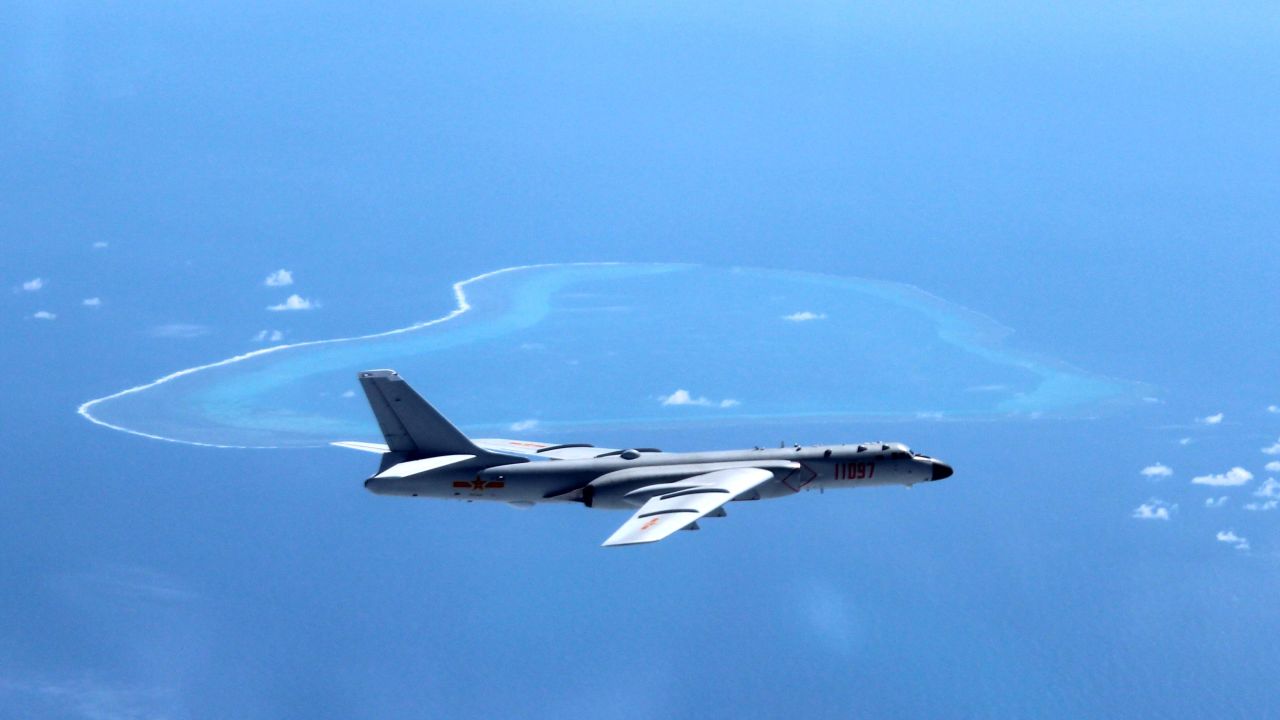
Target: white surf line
pixel 459 294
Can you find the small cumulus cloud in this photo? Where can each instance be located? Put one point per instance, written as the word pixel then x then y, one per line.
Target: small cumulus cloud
pixel 92 302
pixel 683 397
pixel 1262 506
pixel 1272 449
pixel 1158 470
pixel 293 302
pixel 1153 509
pixel 1273 466
pixel 804 316
pixel 1215 502
pixel 180 331
pixel 349 394
pixel 1184 441
pixel 1211 419
pixel 1230 536
pixel 523 425
pixel 44 315
pixel 33 285
pixel 1269 490
pixel 1231 478
pixel 1273 409
pixel 269 336
pixel 279 278
pixel 100 244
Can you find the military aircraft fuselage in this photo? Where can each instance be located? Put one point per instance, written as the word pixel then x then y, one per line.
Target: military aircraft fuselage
pixel 607 482
pixel 426 456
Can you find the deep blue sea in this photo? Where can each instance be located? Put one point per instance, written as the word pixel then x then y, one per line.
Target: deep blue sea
pixel 1039 243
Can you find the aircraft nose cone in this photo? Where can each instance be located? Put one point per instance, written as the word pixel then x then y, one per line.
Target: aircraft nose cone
pixel 941 470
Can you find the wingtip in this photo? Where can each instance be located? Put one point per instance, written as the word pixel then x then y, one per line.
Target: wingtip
pixel 630 541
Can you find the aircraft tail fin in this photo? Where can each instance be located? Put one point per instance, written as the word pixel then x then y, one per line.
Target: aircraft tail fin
pixel 412 427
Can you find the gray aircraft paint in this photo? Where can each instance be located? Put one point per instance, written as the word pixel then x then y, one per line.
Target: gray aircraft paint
pixel 426 456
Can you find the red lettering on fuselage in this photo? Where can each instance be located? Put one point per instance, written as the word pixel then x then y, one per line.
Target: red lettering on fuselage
pixel 855 471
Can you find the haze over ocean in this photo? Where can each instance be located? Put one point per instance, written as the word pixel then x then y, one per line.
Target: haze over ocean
pixel 1099 181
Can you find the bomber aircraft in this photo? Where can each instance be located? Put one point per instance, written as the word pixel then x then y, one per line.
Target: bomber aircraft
pixel 426 456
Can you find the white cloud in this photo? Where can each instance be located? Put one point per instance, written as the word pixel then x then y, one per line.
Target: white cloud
pixel 1210 419
pixel 92 302
pixel 44 315
pixel 523 425
pixel 1269 490
pixel 268 336
pixel 1153 509
pixel 1273 466
pixel 682 397
pixel 1231 478
pixel 349 394
pixel 1273 409
pixel 1230 536
pixel 1157 470
pixel 804 316
pixel 279 278
pixel 293 302
pixel 1272 450
pixel 1184 441
pixel 1215 502
pixel 1262 506
pixel 179 330
pixel 100 244
pixel 33 284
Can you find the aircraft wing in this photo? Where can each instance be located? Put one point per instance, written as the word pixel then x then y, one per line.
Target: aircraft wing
pixel 699 495
pixel 362 446
pixel 527 448
pixel 547 451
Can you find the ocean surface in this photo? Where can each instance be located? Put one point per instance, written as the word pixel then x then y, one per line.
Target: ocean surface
pixel 1038 242
pixel 594 345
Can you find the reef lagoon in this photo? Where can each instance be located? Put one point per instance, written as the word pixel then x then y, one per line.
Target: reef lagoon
pixel 537 350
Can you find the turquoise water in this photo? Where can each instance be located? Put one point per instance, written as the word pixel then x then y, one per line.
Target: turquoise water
pixel 554 348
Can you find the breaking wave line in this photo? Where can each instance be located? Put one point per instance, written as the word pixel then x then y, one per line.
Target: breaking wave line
pixel 459 294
